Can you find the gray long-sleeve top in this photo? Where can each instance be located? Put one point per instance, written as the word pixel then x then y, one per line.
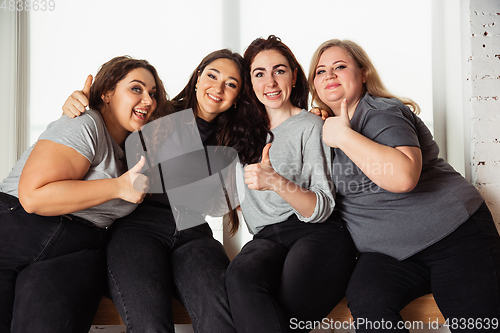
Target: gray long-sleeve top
pixel 298 154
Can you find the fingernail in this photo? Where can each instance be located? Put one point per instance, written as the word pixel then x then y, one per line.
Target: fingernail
pixel 344 101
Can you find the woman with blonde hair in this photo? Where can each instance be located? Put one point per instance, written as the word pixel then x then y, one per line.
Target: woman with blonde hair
pixel 419 226
pixel 374 85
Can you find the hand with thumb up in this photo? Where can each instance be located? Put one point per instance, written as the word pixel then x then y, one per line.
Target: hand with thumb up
pixel 133 185
pixel 79 99
pixel 336 128
pixel 261 176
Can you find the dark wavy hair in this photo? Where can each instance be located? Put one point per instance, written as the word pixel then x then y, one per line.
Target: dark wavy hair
pixel 300 93
pixel 114 71
pixel 241 127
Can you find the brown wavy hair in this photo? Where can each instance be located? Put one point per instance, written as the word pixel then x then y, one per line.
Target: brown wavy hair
pixel 240 127
pixel 114 71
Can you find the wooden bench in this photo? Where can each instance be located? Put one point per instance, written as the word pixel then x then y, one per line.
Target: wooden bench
pixel 108 315
pixel 423 309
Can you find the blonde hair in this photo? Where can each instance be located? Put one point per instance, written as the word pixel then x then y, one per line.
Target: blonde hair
pixel 373 85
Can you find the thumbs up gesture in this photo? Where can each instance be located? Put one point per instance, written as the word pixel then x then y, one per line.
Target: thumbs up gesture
pixel 133 185
pixel 79 99
pixel 335 127
pixel 261 176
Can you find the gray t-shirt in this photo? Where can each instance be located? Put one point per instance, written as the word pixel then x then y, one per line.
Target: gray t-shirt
pixel 88 135
pixel 298 154
pixel 400 224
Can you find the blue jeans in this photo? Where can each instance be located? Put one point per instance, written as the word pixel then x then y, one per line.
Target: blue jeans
pixel 149 262
pixel 462 271
pixel 291 271
pixel 52 271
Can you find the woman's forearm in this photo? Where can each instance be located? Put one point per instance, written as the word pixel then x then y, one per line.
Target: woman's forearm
pixel 69 196
pixel 51 182
pixel 393 169
pixel 302 200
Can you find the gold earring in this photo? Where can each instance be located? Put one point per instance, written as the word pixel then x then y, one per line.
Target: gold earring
pixel 293 86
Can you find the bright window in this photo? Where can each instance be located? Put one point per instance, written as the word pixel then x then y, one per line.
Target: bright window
pixel 73 40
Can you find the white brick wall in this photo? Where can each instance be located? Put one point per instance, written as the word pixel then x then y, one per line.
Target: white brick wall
pixel 484 100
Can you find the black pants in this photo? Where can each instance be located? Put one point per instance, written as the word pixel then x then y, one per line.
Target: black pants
pixel 148 262
pixel 462 271
pixel 52 271
pixel 291 274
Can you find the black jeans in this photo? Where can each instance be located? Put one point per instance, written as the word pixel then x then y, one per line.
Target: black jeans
pixel 462 271
pixel 52 271
pixel 291 273
pixel 149 262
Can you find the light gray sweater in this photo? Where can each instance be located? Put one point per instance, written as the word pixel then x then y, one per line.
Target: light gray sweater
pixel 298 154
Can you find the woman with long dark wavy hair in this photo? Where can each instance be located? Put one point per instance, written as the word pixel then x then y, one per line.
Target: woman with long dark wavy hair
pixel 296 268
pixel 149 257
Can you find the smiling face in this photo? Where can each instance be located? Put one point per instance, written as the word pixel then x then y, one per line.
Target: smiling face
pixel 129 106
pixel 338 76
pixel 272 79
pixel 218 87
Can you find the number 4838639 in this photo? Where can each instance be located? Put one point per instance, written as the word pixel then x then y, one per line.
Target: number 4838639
pixel 28 5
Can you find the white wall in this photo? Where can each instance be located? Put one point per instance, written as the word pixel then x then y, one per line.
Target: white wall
pixel 396 35
pixel 74 39
pixel 7 91
pixel 13 93
pixel 449 27
pixel 483 100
